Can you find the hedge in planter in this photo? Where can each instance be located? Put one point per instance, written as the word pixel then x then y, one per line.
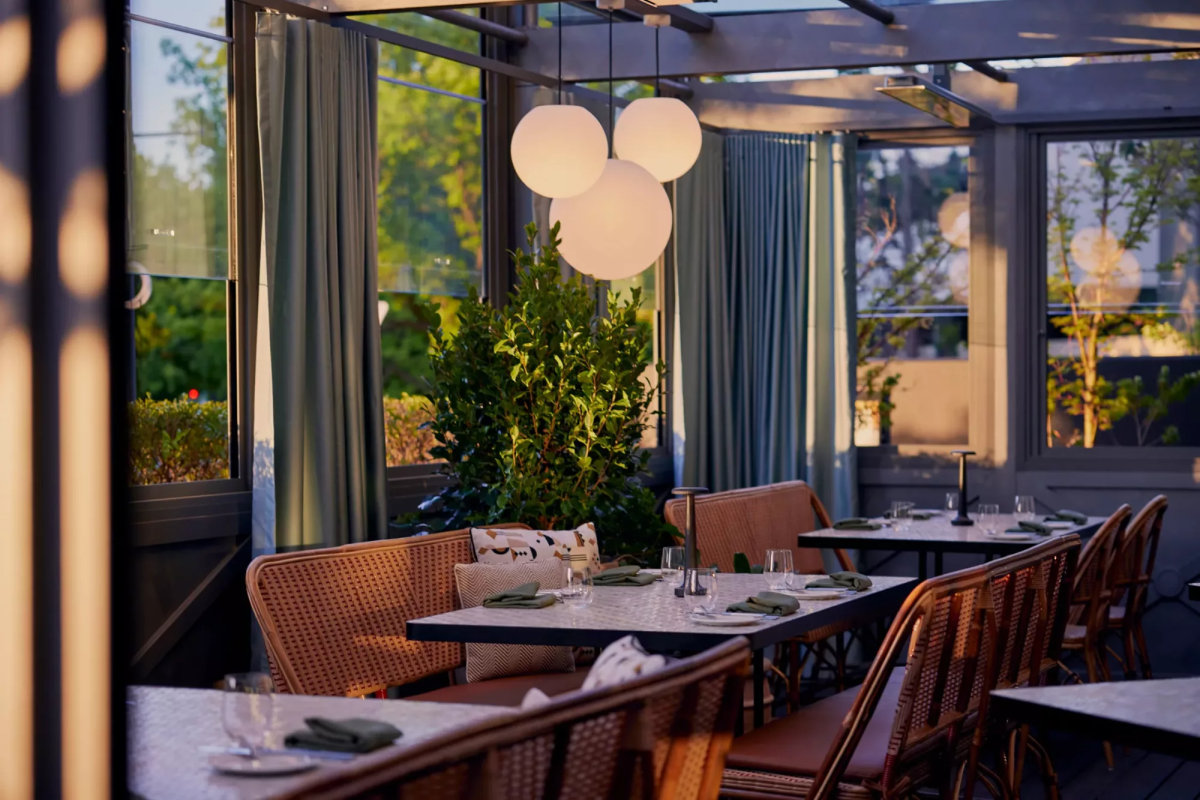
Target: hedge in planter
pixel 540 409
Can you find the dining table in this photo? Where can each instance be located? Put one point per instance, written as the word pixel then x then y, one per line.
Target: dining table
pixel 173 732
pixel 937 536
pixel 1156 715
pixel 661 621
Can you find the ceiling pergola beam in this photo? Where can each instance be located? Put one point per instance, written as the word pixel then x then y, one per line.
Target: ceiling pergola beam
pixel 479 25
pixel 845 39
pixel 984 68
pixel 682 18
pixel 876 12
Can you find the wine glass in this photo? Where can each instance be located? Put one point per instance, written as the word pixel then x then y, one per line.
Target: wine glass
pixel 776 568
pixel 1025 508
pixel 672 566
pixel 952 502
pixel 701 592
pixel 248 709
pixel 577 582
pixel 989 517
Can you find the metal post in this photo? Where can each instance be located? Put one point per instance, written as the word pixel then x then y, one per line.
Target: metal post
pixel 962 519
pixel 689 541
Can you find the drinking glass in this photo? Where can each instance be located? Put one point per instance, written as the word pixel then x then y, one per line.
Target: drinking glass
pixel 952 502
pixel 776 568
pixel 989 517
pixel 701 595
pixel 672 566
pixel 1025 508
pixel 901 514
pixel 248 709
pixel 577 583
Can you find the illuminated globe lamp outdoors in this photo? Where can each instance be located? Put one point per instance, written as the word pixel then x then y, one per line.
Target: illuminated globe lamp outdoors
pixel 617 228
pixel 559 151
pixel 659 133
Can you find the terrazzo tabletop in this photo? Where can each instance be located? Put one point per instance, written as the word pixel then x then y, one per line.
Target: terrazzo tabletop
pixel 167 728
pixel 937 535
pixel 658 618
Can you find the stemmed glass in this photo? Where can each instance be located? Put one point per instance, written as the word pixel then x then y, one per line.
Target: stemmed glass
pixel 672 567
pixel 704 599
pixel 1025 508
pixel 778 569
pixel 952 502
pixel 577 582
pixel 989 517
pixel 248 709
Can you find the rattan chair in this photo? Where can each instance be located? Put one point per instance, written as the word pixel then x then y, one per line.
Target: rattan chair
pixel 333 620
pixel 1031 592
pixel 662 736
pixel 761 518
pixel 902 729
pixel 1133 568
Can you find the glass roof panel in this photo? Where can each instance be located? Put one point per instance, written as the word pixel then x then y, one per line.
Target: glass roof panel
pixel 201 15
pixel 760 6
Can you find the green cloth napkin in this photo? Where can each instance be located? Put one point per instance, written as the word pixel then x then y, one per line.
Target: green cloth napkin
pixel 343 735
pixel 1033 526
pixel 767 603
pixel 856 524
pixel 841 580
pixel 922 515
pixel 523 596
pixel 623 576
pixel 1067 515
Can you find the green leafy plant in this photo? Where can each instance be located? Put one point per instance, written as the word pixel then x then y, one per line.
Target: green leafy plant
pixel 1131 399
pixel 177 440
pixel 406 424
pixel 540 409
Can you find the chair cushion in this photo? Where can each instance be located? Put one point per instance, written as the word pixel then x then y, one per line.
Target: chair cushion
pixel 506 691
pixel 623 660
pixel 512 546
pixel 797 744
pixel 486 661
pixel 1116 615
pixel 1074 634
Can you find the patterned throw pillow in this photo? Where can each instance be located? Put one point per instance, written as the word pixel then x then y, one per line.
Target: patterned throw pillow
pixel 623 660
pixel 514 546
pixel 484 661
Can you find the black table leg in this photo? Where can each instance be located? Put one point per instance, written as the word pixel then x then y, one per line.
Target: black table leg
pixel 937 563
pixel 759 716
pixel 922 573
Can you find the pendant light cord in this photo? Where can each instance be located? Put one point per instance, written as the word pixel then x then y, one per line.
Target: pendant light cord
pixel 657 78
pixel 560 32
pixel 611 116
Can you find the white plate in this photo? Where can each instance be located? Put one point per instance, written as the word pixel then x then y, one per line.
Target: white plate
pixel 1012 537
pixel 263 765
pixel 1060 526
pixel 728 620
pixel 816 594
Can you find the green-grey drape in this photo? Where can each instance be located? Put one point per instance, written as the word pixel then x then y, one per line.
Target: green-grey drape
pixel 322 448
pixel 765 274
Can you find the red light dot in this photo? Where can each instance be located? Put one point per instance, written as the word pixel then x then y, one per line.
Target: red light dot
pixel 194 394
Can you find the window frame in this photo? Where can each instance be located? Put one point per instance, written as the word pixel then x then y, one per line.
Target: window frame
pixel 237 379
pixel 978 191
pixel 1029 308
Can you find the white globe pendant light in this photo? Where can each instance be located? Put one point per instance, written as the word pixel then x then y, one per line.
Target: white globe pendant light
pixel 659 133
pixel 618 227
pixel 559 151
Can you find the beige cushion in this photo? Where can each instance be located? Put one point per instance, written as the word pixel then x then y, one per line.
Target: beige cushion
pixel 623 660
pixel 506 691
pixel 485 661
pixel 512 546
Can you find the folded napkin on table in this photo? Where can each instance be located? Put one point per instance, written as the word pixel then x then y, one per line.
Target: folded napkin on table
pixel 856 524
pixel 523 596
pixel 1067 515
pixel 343 735
pixel 623 576
pixel 841 580
pixel 1031 526
pixel 922 515
pixel 767 603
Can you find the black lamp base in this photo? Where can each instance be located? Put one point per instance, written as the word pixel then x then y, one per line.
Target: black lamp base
pixel 962 520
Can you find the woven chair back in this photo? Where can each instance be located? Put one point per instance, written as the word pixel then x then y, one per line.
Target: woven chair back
pixel 663 736
pixel 755 520
pixel 941 632
pixel 1133 558
pixel 334 619
pixel 1091 592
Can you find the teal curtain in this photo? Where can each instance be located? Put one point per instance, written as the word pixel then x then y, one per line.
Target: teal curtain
pixel 765 274
pixel 319 471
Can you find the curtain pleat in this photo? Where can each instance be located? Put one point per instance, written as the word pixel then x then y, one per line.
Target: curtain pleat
pixel 319 459
pixel 765 272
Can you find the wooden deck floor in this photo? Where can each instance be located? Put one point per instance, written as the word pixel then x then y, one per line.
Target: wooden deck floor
pixel 1137 775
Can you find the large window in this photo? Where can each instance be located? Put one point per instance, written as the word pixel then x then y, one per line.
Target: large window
pixel 648 317
pixel 430 214
pixel 178 260
pixel 1122 288
pixel 912 250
